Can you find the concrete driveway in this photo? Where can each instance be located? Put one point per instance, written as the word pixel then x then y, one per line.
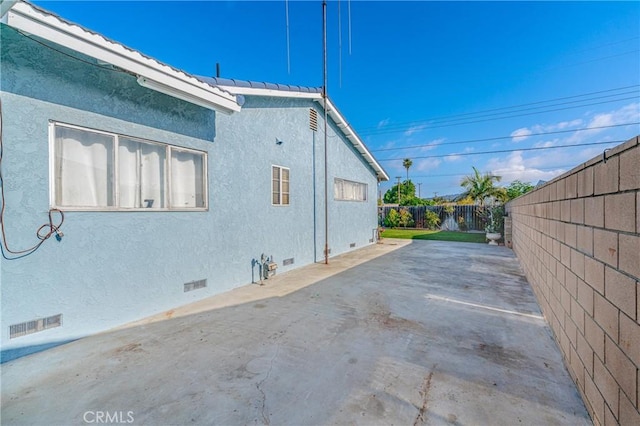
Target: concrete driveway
pixel 398 333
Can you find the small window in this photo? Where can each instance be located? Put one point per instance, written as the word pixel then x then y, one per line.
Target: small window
pixel 346 190
pixel 279 186
pixel 94 170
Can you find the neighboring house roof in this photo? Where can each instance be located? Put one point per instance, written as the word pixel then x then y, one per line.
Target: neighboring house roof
pixel 151 73
pixel 252 88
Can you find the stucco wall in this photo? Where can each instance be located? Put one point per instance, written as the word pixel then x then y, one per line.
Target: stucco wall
pixel 578 240
pixel 114 267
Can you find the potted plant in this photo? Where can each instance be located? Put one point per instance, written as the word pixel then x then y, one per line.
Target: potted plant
pixel 494 226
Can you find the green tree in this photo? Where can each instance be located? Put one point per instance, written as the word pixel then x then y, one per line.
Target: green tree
pixel 517 188
pixel 407 192
pixel 407 163
pixel 481 187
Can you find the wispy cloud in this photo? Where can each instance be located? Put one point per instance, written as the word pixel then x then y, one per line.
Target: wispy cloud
pixel 520 134
pixel 414 129
pixel 383 123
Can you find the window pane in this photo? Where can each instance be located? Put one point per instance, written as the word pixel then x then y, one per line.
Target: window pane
pixel 276 173
pixel 285 174
pixel 83 163
pixel 285 186
pixel 285 198
pixel 187 179
pixel 141 174
pixel 275 198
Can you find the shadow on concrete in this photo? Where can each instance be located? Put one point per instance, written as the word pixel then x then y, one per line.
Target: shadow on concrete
pixel 430 333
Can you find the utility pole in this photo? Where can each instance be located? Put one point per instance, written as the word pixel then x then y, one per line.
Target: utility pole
pixel 324 97
pixel 398 177
pixel 419 186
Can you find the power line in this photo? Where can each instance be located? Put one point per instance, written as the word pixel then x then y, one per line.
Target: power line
pixel 465 174
pixel 509 109
pixel 502 151
pixel 502 137
pixel 437 125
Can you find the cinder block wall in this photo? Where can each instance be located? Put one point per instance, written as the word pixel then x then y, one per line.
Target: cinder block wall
pixel 578 240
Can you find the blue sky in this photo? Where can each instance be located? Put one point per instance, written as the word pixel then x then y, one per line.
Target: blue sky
pixel 454 79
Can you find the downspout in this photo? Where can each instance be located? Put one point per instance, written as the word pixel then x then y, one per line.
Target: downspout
pixel 324 96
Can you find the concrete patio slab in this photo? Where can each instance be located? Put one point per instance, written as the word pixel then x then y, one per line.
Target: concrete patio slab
pixel 404 333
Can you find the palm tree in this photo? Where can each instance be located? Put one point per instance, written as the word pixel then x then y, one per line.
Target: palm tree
pixel 407 163
pixel 481 186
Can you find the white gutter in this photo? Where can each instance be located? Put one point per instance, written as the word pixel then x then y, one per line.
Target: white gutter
pixel 32 20
pixel 356 141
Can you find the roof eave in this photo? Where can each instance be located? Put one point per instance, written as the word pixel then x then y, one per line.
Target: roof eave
pixel 33 20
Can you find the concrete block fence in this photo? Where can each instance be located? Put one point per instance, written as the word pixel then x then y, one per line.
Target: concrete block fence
pixel 578 241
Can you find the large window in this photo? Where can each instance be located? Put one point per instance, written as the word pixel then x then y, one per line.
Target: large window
pixel 95 170
pixel 346 190
pixel 279 186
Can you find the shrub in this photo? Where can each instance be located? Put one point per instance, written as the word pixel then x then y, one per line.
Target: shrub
pixel 462 224
pixel 406 218
pixel 393 219
pixel 431 220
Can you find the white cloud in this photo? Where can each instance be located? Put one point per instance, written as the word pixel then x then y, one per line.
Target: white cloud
pixel 626 114
pixel 515 167
pixel 520 134
pixel 414 129
pixel 383 123
pixel 426 164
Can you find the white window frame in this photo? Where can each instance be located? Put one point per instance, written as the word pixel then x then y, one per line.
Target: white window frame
pixel 342 182
pixel 280 192
pixel 167 173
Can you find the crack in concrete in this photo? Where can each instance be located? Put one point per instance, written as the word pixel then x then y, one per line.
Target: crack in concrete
pixel 424 392
pixel 265 418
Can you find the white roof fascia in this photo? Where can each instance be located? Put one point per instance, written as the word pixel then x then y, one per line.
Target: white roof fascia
pixel 255 91
pixel 333 112
pixel 35 21
pixel 355 140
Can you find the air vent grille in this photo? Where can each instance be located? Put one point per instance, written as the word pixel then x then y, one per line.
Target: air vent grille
pixel 352 245
pixel 287 262
pixel 313 119
pixel 34 326
pixel 194 285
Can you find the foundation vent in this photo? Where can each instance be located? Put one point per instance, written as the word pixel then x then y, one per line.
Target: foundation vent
pixel 287 262
pixel 370 240
pixel 194 285
pixel 352 245
pixel 34 326
pixel 313 119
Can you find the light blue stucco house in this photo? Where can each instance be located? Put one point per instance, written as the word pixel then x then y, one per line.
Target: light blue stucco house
pixel 171 186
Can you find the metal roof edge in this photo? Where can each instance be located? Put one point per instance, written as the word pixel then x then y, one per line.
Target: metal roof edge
pixel 46 25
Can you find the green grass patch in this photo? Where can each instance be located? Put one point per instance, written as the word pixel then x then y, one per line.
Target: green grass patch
pixel 424 234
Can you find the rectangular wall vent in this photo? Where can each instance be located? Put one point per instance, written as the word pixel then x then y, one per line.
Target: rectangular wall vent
pixel 313 119
pixel 352 245
pixel 287 262
pixel 370 240
pixel 34 326
pixel 194 285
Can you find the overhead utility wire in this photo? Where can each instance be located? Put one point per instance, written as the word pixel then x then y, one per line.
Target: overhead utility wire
pixel 427 126
pixel 484 172
pixel 400 148
pixel 501 151
pixel 508 108
pixel 523 109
